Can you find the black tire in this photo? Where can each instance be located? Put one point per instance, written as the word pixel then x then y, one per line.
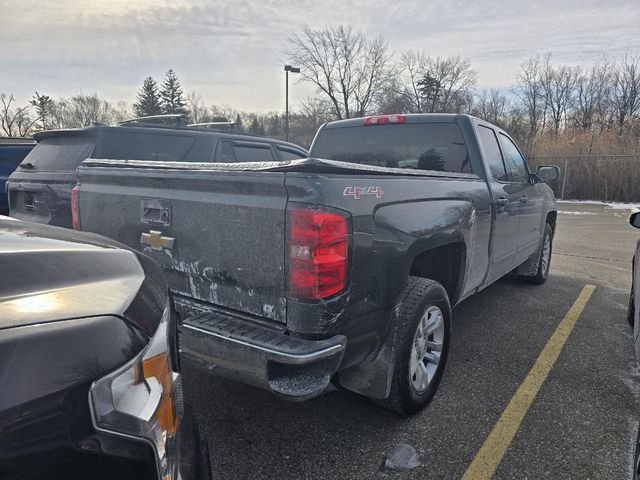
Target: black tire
pixel 636 458
pixel 543 271
pixel 631 312
pixel 195 461
pixel 418 296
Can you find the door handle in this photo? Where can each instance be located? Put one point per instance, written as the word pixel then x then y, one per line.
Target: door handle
pixel 502 203
pixel 524 199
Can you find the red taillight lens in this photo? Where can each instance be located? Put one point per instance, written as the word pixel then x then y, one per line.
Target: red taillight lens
pixel 75 214
pixel 384 120
pixel 318 253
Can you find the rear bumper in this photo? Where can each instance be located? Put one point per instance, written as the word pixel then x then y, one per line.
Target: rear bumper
pixel 293 368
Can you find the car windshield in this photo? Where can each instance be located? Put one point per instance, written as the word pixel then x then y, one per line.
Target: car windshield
pixel 424 146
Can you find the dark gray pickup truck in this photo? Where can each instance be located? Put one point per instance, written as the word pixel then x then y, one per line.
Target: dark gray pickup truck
pixel 339 268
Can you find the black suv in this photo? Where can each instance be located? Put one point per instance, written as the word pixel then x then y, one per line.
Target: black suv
pixel 40 189
pixel 89 370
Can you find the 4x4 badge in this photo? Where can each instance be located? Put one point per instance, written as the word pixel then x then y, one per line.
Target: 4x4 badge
pixel 359 192
pixel 156 241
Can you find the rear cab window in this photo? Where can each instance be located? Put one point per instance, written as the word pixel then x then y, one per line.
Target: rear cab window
pixel 424 146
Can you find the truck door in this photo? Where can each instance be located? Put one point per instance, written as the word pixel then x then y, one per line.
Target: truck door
pixel 528 203
pixel 505 229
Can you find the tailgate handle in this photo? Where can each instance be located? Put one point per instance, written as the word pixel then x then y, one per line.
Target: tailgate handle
pixel 155 211
pixel 29 202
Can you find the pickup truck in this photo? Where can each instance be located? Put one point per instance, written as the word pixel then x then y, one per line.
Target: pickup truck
pixel 341 268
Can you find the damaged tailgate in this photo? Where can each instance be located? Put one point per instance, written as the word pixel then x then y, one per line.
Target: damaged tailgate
pixel 218 235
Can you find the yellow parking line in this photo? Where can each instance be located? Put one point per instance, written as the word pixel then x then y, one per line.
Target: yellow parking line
pixel 495 446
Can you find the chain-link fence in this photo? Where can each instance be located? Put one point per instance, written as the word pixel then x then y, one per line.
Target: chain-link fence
pixel 594 177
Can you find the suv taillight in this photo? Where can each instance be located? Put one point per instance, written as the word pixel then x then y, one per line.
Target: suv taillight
pixel 75 214
pixel 318 252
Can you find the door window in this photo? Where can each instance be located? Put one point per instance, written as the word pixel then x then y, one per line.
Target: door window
pixel 226 153
pixel 515 162
pixel 286 154
pixel 251 153
pixel 492 153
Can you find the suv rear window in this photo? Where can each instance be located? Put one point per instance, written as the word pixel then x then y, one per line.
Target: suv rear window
pixel 424 146
pixel 144 146
pixel 60 153
pixel 12 155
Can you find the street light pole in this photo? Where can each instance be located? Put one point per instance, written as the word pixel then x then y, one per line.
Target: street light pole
pixel 287 69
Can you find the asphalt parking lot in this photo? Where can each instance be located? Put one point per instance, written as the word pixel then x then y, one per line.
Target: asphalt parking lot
pixel 581 424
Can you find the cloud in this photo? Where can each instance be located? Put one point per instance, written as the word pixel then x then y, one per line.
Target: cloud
pixel 232 52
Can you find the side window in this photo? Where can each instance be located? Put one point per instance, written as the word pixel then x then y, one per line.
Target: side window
pixel 145 146
pixel 515 163
pixel 226 153
pixel 492 152
pixel 257 153
pixel 286 154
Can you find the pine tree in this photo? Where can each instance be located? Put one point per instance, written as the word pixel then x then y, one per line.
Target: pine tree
pixel 171 94
pixel 255 126
pixel 239 127
pixel 148 99
pixel 44 105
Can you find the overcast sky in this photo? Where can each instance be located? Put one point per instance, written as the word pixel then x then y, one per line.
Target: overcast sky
pixel 232 52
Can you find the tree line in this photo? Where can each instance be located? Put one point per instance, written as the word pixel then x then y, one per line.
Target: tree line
pixel 551 108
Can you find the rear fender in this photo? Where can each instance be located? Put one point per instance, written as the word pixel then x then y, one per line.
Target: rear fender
pixel 427 225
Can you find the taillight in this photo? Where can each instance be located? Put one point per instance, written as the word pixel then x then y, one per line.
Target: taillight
pixel 75 214
pixel 384 120
pixel 318 253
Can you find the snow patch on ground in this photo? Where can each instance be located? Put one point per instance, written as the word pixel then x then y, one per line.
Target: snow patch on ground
pixel 567 212
pixel 612 205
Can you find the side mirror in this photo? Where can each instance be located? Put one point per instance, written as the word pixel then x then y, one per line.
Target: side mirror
pixel 548 173
pixel 634 219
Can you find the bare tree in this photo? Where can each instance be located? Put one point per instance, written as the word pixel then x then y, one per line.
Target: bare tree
pixel 592 91
pixel 529 89
pixel 411 70
pixel 344 65
pixel 493 106
pixel 625 97
pixel 81 110
pixel 197 110
pixel 446 84
pixel 559 84
pixel 15 122
pixel 121 111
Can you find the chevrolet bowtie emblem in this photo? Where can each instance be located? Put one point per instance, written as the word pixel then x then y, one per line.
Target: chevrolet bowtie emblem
pixel 156 241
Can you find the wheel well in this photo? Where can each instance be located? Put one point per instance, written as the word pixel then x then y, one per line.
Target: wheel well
pixel 443 264
pixel 551 220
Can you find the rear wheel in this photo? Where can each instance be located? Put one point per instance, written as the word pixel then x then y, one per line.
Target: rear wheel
pixel 636 459
pixel 631 312
pixel 544 259
pixel 422 345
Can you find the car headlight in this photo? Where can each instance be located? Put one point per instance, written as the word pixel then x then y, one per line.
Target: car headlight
pixel 143 399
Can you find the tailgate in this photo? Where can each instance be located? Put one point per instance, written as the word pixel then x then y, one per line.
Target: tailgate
pixel 219 236
pixel 42 197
